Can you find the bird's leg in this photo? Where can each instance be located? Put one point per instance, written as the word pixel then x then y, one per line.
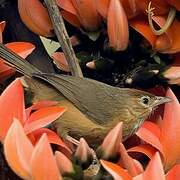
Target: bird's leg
pixel 72 140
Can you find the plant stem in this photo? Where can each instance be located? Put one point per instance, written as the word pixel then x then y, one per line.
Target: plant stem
pixel 168 23
pixel 63 37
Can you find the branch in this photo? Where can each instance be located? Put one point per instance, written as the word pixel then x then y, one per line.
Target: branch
pixel 63 37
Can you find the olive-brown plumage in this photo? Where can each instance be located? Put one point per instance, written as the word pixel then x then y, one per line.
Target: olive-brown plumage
pixel 93 108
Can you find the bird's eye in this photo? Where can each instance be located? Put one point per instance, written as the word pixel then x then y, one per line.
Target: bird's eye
pixel 145 100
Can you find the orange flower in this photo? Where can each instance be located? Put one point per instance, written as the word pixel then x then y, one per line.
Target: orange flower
pixel 45 112
pixel 27 161
pixel 81 13
pixel 21 48
pixel 154 170
pixel 35 16
pixel 166 39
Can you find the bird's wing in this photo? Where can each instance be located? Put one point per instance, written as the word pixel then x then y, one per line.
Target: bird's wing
pixel 96 100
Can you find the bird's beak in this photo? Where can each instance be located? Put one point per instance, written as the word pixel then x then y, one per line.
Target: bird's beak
pixel 161 100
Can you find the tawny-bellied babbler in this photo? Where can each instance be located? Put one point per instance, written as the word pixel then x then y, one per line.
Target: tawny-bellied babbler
pixel 93 108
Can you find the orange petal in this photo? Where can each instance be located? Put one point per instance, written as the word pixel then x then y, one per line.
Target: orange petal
pixel 175 81
pixel 116 171
pixel 138 166
pixel 102 7
pixel 141 25
pixel 87 14
pixel 42 117
pixel 18 150
pixel 154 170
pixel 117 26
pixel 63 163
pixel 171 34
pixel 127 161
pixel 60 61
pixel 150 135
pixel 23 49
pixel 163 43
pixel 35 16
pixel 174 3
pixel 71 18
pixel 173 31
pixel 161 6
pixel 130 7
pixel 67 6
pixel 11 106
pixel 173 72
pixel 39 105
pixel 146 149
pixel 173 173
pixel 83 152
pixel 52 137
pixel 170 131
pixel 2 26
pixel 111 143
pixel 5 71
pixel 68 12
pixel 43 163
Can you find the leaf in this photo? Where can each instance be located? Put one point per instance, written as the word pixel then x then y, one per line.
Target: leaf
pixel 43 117
pixel 11 106
pixel 43 163
pixel 18 150
pixel 23 49
pixel 116 171
pixel 117 26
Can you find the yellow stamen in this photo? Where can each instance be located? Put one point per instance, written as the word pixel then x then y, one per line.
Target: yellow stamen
pixel 169 21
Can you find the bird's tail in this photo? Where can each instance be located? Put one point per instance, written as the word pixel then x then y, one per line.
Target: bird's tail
pixel 16 61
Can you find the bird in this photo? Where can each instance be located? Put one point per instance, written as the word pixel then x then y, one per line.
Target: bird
pixel 93 107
